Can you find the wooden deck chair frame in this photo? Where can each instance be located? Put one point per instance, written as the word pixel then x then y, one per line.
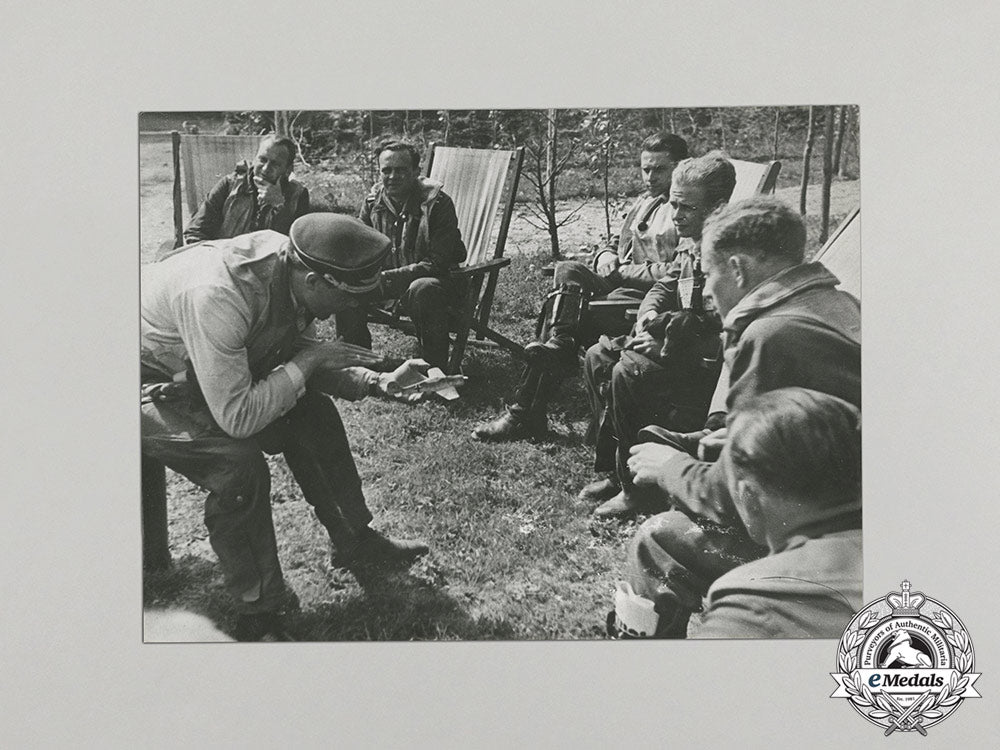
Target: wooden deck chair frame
pixel 203 160
pixel 752 179
pixel 840 266
pixel 482 268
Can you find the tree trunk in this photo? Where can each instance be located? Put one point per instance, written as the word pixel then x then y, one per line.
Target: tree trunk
pixel 774 140
pixel 446 115
pixel 722 128
pixel 806 156
pixel 372 164
pixel 607 196
pixel 839 145
pixel 551 145
pixel 673 122
pixel 848 123
pixel 824 227
pixel 281 123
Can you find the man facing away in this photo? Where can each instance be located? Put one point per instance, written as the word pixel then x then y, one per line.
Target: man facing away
pixel 646 246
pixel 419 219
pixel 231 369
pixel 793 469
pixel 261 196
pixel 785 325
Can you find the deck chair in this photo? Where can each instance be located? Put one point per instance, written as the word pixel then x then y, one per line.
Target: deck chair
pixel 842 253
pixel 754 179
pixel 751 179
pixel 483 185
pixel 200 161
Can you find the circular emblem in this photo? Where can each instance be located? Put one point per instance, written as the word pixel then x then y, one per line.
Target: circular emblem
pixel 905 662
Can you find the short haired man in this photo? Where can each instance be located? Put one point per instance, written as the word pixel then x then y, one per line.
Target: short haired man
pixel 261 196
pixel 785 324
pixel 793 469
pixel 645 248
pixel 231 368
pixel 419 218
pixel 666 373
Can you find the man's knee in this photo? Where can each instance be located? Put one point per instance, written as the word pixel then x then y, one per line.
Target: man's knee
pixel 426 289
pixel 573 272
pixel 662 563
pixel 243 476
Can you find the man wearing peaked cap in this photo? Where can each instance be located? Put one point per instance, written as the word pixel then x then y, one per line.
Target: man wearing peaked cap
pixel 231 368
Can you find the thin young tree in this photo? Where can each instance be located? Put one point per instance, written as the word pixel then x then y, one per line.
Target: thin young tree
pixel 848 125
pixel 824 226
pixel 545 164
pixel 838 147
pixel 774 137
pixel 806 156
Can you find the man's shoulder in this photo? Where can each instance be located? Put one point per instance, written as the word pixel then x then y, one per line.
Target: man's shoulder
pixel 821 311
pixel 828 562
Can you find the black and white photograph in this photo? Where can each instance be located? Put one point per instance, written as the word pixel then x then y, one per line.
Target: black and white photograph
pixel 501 374
pixel 498 380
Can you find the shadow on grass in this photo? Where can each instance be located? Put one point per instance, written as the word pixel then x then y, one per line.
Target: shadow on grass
pixel 396 606
pixel 191 583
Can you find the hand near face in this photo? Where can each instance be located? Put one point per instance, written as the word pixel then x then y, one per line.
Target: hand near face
pixel 648 461
pixel 269 193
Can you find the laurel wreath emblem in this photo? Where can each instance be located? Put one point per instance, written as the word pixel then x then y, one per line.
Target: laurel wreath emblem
pixel 881 707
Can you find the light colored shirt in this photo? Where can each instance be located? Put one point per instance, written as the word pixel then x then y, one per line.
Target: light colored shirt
pixel 651 240
pixel 218 305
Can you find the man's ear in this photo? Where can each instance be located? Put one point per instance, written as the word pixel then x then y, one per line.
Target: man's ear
pixel 738 265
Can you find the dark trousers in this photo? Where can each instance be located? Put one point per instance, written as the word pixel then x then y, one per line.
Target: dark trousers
pixel 629 391
pixel 427 302
pixel 537 388
pixel 673 559
pixel 183 435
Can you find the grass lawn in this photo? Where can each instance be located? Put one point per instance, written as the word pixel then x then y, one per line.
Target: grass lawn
pixel 513 553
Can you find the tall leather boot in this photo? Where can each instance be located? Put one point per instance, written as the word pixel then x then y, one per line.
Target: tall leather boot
pixel 525 419
pixel 558 329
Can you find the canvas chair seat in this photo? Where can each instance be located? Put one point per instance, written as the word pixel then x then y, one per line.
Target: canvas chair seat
pixel 199 162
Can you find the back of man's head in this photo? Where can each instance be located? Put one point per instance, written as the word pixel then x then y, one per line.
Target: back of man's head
pixel 801 443
pixel 667 143
pixel 764 228
pixel 713 173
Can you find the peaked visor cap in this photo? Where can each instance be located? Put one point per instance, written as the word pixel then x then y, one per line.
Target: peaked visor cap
pixel 341 249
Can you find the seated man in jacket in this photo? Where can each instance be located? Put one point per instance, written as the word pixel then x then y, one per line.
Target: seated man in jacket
pixel 665 374
pixel 420 220
pixel 793 469
pixel 646 246
pixel 255 197
pixel 784 324
pixel 231 369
